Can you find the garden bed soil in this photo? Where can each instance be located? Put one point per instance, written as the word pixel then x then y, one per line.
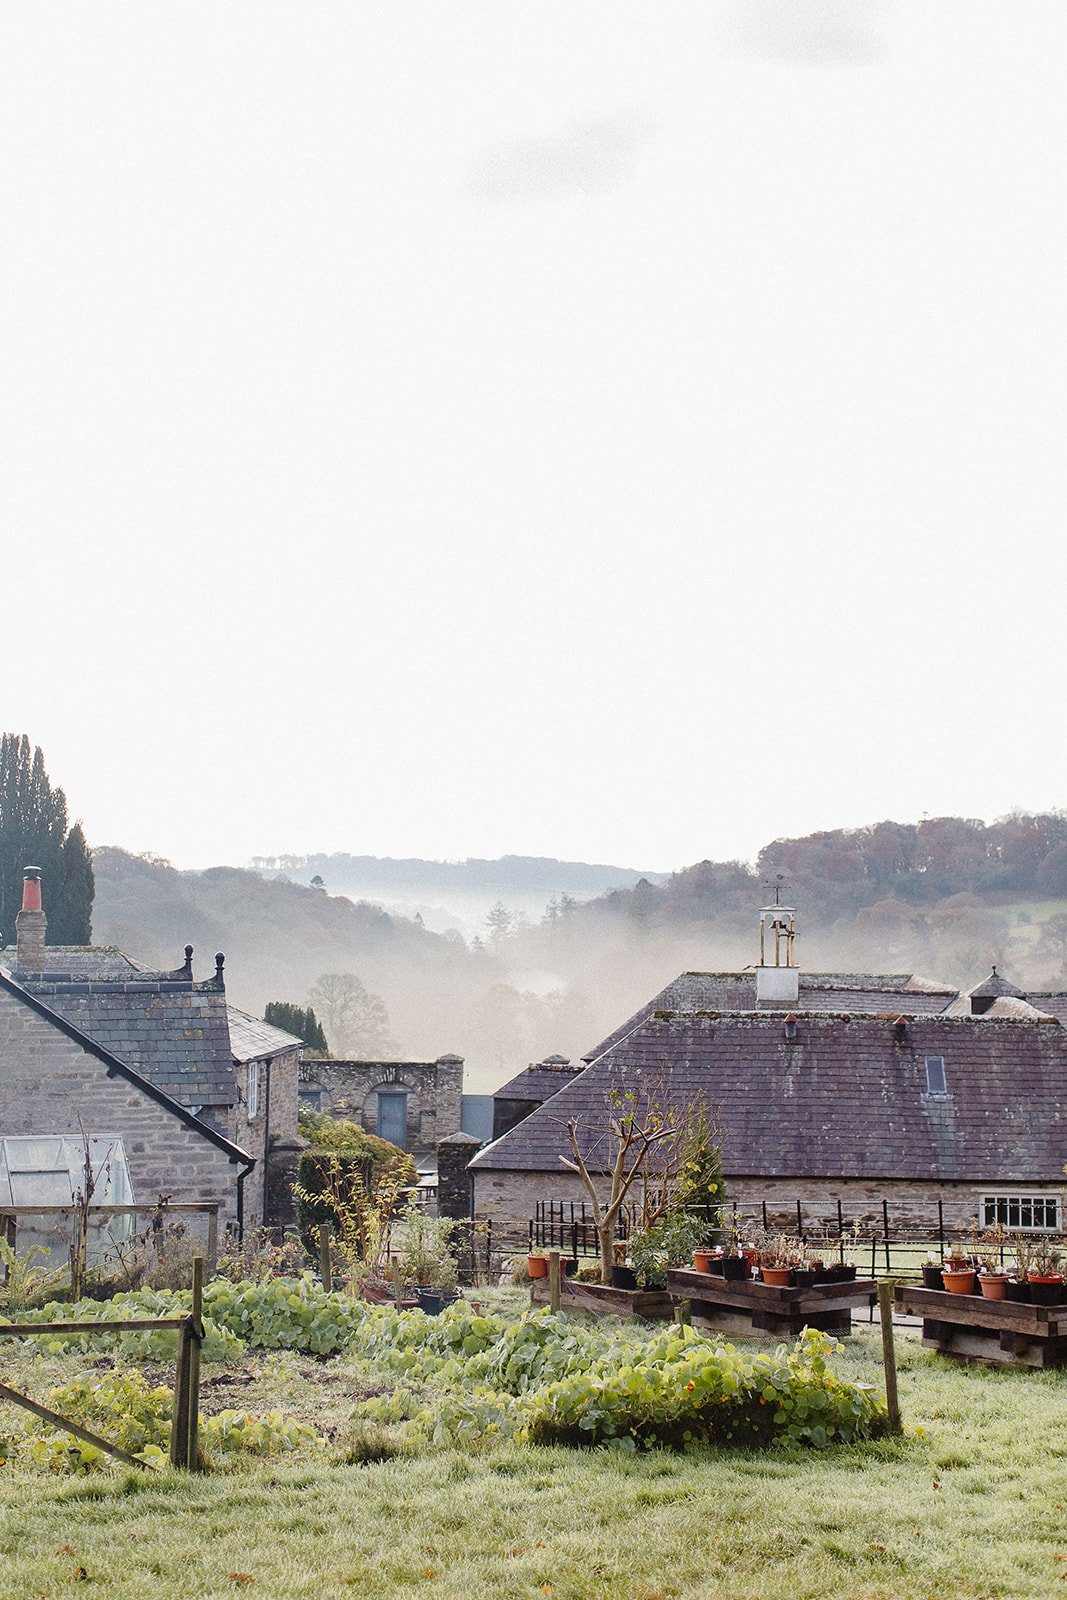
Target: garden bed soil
pixel 653 1305
pixel 998 1332
pixel 758 1308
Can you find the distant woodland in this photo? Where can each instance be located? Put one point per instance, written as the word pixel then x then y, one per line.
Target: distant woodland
pixel 944 897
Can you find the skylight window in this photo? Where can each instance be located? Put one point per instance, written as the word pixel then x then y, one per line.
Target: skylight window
pixel 935 1077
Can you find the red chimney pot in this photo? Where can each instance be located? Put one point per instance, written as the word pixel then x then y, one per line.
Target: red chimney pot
pixel 31 889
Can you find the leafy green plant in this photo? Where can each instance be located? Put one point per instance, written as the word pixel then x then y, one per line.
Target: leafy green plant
pixel 424 1247
pixel 666 1243
pixel 123 1408
pixel 25 1281
pixel 683 1392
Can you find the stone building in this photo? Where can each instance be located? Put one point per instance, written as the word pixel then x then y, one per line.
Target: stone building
pixel 56 1080
pixel 828 1091
pixel 414 1104
pixel 266 1064
pixel 178 1048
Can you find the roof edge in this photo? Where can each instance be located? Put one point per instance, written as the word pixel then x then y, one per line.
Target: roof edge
pixel 114 1064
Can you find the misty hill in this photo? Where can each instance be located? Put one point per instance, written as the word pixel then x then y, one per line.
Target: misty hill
pixel 345 874
pixel 944 898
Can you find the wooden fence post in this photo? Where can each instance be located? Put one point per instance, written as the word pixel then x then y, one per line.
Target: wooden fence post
pixel 212 1240
pixel 889 1354
pixel 683 1313
pixel 179 1422
pixel 193 1398
pixel 554 1274
pixel 325 1265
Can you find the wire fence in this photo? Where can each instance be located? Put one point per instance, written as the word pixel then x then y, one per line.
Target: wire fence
pixel 881 1244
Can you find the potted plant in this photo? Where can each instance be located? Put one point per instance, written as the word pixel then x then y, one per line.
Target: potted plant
pixel 959 1273
pixel 426 1260
pixel 664 1244
pixel 932 1275
pixel 992 1278
pixel 537 1264
pixel 778 1259
pixel 1043 1275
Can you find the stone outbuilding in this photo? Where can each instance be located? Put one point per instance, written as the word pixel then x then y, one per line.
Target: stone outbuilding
pixel 413 1104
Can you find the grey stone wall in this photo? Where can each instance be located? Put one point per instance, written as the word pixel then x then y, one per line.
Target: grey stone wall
pixel 251 1134
pixel 454 1190
pixel 50 1084
pixel 434 1090
pixel 510 1199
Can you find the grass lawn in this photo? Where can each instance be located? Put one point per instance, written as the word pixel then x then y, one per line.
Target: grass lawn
pixel 974 1504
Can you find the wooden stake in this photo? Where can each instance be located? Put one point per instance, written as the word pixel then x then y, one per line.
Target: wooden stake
pixel 212 1240
pixel 325 1265
pixel 196 1330
pixel 398 1287
pixel 179 1423
pixel 889 1354
pixel 554 1275
pixel 683 1313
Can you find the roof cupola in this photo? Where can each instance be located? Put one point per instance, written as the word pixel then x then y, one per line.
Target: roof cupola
pixel 777 974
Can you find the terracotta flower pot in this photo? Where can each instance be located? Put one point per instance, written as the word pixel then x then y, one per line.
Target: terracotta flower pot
pixel 537 1266
pixel 777 1277
pixel 961 1282
pixel 994 1285
pixel 702 1260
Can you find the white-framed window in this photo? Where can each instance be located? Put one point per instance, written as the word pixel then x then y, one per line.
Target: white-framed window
pixel 1022 1213
pixel 252 1091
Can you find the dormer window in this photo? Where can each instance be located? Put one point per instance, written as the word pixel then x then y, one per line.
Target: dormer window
pixel 936 1084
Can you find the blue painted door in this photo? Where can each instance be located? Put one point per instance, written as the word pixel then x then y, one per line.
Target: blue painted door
pixel 393 1118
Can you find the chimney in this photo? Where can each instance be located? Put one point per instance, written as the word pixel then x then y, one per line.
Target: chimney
pixel 30 924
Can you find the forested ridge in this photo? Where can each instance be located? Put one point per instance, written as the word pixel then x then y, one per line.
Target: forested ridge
pixel 944 897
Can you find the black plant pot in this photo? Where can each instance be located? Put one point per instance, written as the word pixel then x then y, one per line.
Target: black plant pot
pixel 432 1302
pixel 1017 1291
pixel 569 1265
pixel 933 1278
pixel 715 1266
pixel 735 1269
pixel 803 1278
pixel 623 1278
pixel 1046 1294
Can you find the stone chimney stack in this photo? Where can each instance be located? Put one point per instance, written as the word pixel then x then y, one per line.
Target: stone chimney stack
pixel 30 924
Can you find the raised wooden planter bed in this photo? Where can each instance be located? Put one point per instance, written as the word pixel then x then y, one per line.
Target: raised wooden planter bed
pixel 757 1308
pixel 602 1301
pixel 1004 1332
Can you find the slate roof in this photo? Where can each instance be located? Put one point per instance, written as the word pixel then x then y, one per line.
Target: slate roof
pixel 995 985
pixel 900 993
pixel 1053 1004
pixel 539 1081
pixel 251 1039
pixel 846 1100
pixel 114 1063
pixel 84 961
pixel 167 1026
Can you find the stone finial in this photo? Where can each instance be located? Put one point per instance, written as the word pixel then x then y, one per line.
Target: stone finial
pixel 220 962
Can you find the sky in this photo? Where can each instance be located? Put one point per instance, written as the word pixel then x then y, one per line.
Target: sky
pixel 607 431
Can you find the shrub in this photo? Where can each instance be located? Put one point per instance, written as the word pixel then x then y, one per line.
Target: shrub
pixel 682 1392
pixel 344 1179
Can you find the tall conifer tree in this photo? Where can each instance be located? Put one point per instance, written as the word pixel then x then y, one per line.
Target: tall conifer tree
pixel 34 833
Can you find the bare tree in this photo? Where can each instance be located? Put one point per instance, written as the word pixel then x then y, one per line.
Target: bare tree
pixel 356 1021
pixel 628 1138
